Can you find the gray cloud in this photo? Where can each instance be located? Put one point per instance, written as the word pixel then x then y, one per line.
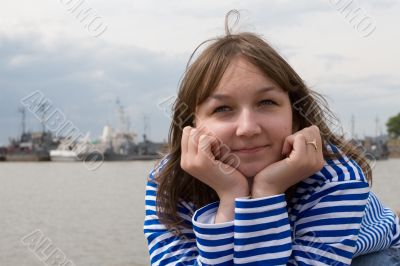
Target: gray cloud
pixel 84 82
pixel 366 98
pixel 84 76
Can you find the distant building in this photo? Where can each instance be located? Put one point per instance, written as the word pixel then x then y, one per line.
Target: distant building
pixel 394 148
pixel 2 153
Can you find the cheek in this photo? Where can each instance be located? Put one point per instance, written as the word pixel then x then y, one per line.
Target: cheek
pixel 221 131
pixel 286 130
pixel 288 125
pixel 280 126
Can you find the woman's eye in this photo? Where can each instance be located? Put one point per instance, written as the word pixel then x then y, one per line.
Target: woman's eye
pixel 220 109
pixel 266 102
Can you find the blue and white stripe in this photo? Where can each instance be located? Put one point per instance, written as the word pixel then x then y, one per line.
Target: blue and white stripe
pixel 332 218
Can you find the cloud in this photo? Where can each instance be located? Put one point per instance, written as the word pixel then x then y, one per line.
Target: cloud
pixel 85 80
pixel 329 60
pixel 367 98
pixel 141 57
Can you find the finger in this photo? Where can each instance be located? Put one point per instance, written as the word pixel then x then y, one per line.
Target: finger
pixel 288 145
pixel 204 147
pixel 313 139
pixel 193 142
pixel 185 139
pixel 317 134
pixel 232 160
pixel 299 145
pixel 216 150
pixel 311 144
pixel 215 146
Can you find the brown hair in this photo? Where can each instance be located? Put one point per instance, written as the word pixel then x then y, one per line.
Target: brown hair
pixel 200 80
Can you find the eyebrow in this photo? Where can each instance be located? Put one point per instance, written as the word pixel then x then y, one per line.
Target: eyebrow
pixel 227 96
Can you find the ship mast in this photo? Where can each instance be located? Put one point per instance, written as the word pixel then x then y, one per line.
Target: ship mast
pixel 43 109
pixel 377 126
pixel 123 123
pixel 146 129
pixel 23 121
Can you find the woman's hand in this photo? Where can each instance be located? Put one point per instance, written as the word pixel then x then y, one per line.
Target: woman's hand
pixel 198 158
pixel 303 159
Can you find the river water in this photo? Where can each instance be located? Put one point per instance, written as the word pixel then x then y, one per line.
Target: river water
pixel 94 217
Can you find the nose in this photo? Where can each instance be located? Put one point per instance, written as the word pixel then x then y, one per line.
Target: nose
pixel 247 124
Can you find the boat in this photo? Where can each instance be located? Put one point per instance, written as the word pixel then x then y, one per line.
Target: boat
pixel 31 147
pixel 65 152
pixel 72 150
pixel 122 146
pixel 373 148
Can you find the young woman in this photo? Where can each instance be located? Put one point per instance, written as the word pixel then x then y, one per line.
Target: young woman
pixel 255 174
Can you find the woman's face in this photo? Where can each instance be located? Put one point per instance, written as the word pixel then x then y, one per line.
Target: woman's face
pixel 249 113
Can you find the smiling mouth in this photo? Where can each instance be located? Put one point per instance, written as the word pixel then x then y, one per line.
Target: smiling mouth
pixel 250 150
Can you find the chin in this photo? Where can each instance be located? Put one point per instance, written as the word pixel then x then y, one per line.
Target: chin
pixel 251 169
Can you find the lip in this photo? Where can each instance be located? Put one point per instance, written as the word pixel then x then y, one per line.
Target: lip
pixel 250 150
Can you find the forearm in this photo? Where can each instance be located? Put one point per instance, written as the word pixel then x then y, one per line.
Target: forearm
pixel 226 208
pixel 226 211
pixel 262 189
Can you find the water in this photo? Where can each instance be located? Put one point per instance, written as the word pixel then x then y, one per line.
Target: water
pixel 95 217
pixel 386 182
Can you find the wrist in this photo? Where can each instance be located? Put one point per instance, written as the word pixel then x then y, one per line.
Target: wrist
pixel 230 193
pixel 230 198
pixel 226 208
pixel 226 211
pixel 264 190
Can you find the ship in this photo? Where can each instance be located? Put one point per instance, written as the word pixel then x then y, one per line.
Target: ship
pixel 70 150
pixel 118 144
pixel 122 146
pixel 31 146
pixel 63 153
pixel 376 147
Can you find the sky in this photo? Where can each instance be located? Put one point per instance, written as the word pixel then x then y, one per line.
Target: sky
pixel 83 55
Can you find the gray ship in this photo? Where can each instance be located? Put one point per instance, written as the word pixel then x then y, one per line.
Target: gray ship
pixel 31 147
pixel 122 146
pixel 114 144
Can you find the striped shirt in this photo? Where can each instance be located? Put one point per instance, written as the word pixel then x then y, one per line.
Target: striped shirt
pixel 332 217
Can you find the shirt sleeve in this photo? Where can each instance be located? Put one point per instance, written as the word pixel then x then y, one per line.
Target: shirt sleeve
pixel 322 229
pixel 262 231
pixel 380 228
pixel 259 234
pixel 324 232
pixel 200 243
pixel 214 241
pixel 327 225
